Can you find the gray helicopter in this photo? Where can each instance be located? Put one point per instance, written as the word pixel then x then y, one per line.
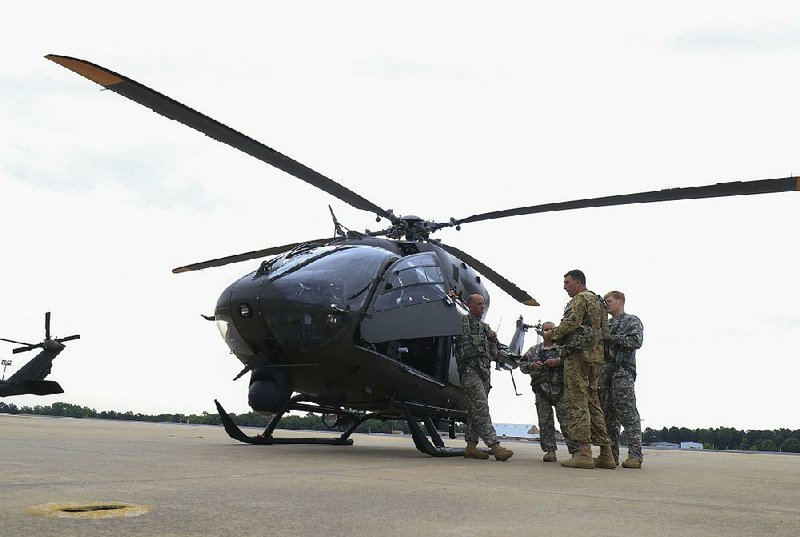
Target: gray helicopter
pixel 29 379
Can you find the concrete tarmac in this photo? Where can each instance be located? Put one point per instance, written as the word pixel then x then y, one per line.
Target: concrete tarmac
pixel 200 482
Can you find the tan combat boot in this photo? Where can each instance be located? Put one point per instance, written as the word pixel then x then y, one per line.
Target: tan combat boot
pixel 500 453
pixel 581 458
pixel 606 459
pixel 598 457
pixel 472 452
pixel 550 456
pixel 630 462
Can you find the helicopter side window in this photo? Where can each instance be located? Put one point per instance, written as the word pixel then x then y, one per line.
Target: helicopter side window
pixel 412 276
pixel 410 284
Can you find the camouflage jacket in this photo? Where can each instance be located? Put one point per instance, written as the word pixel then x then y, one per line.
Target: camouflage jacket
pixel 583 328
pixel 548 380
pixel 473 348
pixel 627 335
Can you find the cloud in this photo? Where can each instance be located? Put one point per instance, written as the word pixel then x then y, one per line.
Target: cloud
pixel 739 40
pixel 137 172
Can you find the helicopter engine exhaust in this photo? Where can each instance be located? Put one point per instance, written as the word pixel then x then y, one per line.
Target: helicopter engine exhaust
pixel 270 390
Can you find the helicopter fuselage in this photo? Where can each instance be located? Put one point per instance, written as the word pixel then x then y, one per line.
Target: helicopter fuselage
pixel 360 323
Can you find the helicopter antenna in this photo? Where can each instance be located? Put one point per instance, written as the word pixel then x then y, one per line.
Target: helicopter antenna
pixel 338 229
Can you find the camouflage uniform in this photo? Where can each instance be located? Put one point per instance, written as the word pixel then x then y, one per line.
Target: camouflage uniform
pixel 548 387
pixel 474 351
pixel 617 395
pixel 580 334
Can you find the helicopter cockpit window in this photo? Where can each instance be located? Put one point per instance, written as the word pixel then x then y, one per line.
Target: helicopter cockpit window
pixel 414 280
pixel 337 277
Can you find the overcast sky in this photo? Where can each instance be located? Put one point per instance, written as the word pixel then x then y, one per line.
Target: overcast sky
pixel 440 110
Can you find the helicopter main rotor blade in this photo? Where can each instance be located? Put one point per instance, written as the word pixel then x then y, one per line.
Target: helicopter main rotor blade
pixel 244 257
pixel 47 325
pixel 719 190
pixel 26 349
pixel 15 342
pixel 494 277
pixel 172 109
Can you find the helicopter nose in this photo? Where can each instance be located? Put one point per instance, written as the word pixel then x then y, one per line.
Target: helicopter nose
pixel 302 328
pixel 254 314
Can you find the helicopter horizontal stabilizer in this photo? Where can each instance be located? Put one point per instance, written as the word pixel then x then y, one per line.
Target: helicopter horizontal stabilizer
pixel 31 387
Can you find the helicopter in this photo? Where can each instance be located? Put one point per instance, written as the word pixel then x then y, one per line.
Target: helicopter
pixel 361 325
pixel 30 377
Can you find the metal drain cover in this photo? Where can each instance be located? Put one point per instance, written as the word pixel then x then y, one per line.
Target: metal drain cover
pixel 92 510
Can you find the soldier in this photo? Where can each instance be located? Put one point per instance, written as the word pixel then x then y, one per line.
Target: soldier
pixel 616 385
pixel 543 363
pixel 474 351
pixel 581 335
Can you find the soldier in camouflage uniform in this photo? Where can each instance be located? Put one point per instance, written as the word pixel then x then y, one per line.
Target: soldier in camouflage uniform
pixel 474 351
pixel 616 385
pixel 580 334
pixel 543 363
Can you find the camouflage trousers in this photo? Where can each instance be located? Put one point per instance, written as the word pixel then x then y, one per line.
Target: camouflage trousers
pixel 479 424
pixel 587 425
pixel 547 427
pixel 618 399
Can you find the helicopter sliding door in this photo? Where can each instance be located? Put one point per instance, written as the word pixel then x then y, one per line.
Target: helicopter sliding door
pixel 411 318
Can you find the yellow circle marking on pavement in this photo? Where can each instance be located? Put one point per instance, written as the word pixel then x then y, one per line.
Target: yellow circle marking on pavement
pixel 93 510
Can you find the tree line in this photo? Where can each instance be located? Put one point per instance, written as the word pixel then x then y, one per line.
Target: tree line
pixel 721 438
pixel 724 438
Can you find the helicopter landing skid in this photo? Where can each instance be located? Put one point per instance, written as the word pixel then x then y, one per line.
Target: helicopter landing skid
pixel 266 438
pixel 435 446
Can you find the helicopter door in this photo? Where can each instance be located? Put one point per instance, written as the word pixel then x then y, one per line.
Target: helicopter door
pixel 411 303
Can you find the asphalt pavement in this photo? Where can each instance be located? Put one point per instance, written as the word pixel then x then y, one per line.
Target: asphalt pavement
pixel 186 480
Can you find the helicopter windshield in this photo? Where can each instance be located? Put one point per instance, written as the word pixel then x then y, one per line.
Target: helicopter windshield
pixel 281 265
pixel 331 276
